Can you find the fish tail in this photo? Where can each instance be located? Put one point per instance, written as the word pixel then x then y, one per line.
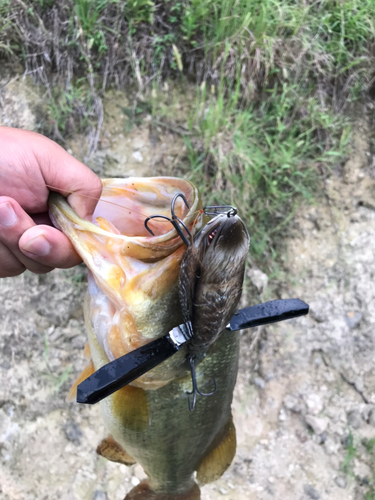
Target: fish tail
pixel 144 492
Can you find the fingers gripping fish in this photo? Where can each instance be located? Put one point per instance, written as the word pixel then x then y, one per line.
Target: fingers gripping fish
pixel 133 299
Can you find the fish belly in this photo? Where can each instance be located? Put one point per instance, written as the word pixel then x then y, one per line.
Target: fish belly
pixel 156 428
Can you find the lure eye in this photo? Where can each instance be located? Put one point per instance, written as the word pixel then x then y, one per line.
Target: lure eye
pixel 211 235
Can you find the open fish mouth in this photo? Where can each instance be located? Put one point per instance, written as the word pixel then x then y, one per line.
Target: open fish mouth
pixel 133 295
pixel 124 206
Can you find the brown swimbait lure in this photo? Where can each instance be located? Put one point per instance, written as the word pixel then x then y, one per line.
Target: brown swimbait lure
pixel 211 277
pixel 210 284
pixel 134 299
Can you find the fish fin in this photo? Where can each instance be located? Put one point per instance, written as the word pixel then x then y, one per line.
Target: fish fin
pixel 130 408
pixel 111 450
pixel 144 492
pixel 213 465
pixel 86 372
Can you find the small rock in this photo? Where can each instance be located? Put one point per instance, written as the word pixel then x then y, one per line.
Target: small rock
pixel 223 491
pixel 302 436
pixel 363 481
pixel 323 437
pixel 138 144
pixel 72 432
pixel 259 382
pixel 139 472
pixel 358 384
pixel 293 404
pixel 321 310
pixel 341 481
pixel 258 279
pixel 78 342
pixel 99 495
pixel 314 403
pixel 282 415
pixel 347 441
pixel 135 481
pixel 355 419
pixel 318 361
pixel 311 492
pixel 137 155
pixel 240 469
pixel 371 417
pixel 353 319
pixel 365 411
pixel 318 424
pixel 367 200
pixel 331 446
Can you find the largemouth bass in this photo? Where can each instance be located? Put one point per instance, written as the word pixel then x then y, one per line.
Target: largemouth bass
pixel 133 298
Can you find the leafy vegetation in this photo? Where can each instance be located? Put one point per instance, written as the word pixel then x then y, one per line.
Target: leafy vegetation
pixel 369 445
pixel 273 81
pixel 364 451
pixel 351 452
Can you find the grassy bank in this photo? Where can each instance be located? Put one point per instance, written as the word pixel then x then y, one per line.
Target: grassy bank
pixel 273 78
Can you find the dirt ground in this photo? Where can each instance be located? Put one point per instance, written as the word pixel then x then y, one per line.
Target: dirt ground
pixel 304 404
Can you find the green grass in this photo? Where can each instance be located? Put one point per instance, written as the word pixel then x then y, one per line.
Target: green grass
pixel 310 43
pixel 263 159
pixel 365 452
pixel 273 79
pixel 351 452
pixel 369 445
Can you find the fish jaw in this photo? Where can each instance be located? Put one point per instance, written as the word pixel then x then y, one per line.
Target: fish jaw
pixel 133 295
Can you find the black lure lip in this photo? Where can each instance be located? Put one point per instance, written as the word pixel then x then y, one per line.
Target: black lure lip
pixel 121 371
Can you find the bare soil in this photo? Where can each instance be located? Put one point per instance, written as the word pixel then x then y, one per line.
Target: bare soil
pixel 304 404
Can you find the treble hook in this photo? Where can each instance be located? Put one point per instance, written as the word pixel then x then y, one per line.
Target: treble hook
pixel 175 221
pixel 220 209
pixel 195 390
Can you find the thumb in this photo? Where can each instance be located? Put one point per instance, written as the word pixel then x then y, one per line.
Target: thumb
pixel 67 175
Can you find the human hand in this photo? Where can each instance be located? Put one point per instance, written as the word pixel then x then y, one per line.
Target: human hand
pixel 28 163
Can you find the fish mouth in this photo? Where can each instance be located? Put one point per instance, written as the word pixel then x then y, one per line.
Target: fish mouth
pixel 133 298
pixel 124 206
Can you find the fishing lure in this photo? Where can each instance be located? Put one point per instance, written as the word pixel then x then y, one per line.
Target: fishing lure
pixel 210 283
pixel 210 286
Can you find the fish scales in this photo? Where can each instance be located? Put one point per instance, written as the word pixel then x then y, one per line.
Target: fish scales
pixel 133 299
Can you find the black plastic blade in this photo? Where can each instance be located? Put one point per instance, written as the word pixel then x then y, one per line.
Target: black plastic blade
pixel 268 312
pixel 121 371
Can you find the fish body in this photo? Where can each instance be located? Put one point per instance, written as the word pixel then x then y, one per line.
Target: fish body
pixel 133 298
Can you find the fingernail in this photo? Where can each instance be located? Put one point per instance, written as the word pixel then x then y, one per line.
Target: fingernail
pixel 37 246
pixel 8 216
